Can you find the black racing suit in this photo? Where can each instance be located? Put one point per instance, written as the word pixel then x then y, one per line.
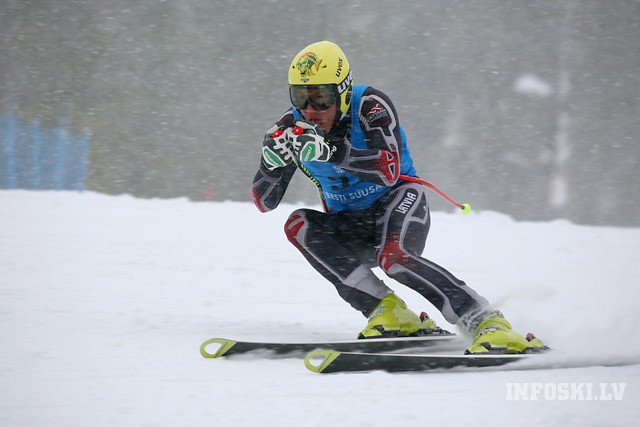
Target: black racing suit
pixel 343 246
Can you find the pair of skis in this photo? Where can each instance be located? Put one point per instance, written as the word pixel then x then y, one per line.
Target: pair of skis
pixel 366 355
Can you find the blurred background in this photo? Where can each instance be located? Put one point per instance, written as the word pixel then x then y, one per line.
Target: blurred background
pixel 531 108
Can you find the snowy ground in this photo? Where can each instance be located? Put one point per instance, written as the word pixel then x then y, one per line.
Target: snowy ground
pixel 105 300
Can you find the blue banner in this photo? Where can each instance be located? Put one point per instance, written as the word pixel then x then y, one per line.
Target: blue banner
pixel 37 158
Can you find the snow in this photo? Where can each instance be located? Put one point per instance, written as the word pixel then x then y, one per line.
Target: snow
pixel 106 299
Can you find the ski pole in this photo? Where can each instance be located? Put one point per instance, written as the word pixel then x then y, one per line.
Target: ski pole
pixel 465 207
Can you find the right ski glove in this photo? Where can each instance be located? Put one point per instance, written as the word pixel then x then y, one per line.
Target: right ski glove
pixel 276 148
pixel 308 142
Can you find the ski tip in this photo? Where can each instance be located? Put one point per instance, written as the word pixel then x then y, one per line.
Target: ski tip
pixel 318 360
pixel 223 346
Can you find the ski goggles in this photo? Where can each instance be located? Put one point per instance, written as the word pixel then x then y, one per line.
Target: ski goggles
pixel 321 97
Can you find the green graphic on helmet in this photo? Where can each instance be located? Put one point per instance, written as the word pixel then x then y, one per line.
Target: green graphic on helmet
pixel 307 63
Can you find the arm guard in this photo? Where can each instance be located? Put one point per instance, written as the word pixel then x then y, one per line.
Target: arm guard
pixel 269 186
pixel 380 162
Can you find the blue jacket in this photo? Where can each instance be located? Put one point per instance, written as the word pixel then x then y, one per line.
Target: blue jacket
pixel 341 190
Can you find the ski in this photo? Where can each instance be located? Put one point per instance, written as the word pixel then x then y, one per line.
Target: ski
pixel 330 361
pixel 219 347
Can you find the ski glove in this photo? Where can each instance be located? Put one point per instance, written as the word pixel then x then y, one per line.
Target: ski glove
pixel 276 148
pixel 308 142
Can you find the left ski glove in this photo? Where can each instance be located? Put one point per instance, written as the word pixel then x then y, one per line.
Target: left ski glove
pixel 276 150
pixel 308 142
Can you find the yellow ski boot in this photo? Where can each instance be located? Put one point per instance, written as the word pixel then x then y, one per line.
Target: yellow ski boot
pixel 494 335
pixel 392 318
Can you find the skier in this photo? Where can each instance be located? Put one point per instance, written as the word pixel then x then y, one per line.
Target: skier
pixel 348 141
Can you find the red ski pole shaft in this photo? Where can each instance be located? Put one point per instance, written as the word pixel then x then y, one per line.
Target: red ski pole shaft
pixel 465 207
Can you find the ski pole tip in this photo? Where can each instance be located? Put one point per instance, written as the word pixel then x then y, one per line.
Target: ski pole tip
pixel 466 208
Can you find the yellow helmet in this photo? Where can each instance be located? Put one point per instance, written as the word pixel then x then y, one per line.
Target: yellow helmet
pixel 323 64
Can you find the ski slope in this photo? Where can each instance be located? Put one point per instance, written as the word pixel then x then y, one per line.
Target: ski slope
pixel 104 301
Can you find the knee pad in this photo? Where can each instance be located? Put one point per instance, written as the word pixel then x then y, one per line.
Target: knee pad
pixel 390 254
pixel 294 224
